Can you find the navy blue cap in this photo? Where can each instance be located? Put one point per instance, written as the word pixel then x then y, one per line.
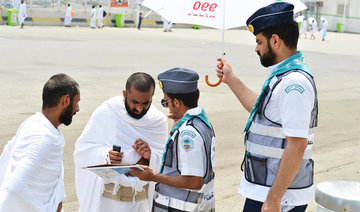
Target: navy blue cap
pixel 273 14
pixel 178 80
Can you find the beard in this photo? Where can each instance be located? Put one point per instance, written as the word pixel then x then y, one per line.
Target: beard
pixel 132 113
pixel 268 58
pixel 66 116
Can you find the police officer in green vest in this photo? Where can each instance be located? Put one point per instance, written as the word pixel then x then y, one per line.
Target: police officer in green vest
pixel 186 178
pixel 278 170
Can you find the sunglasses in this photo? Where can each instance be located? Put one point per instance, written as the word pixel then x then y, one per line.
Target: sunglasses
pixel 165 103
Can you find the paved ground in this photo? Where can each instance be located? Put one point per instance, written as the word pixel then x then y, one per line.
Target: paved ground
pixel 101 60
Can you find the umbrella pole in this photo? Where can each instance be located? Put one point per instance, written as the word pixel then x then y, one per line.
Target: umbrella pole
pixel 223 32
pixel 222 42
pixel 222 53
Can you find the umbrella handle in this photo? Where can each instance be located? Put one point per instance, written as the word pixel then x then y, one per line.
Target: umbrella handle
pixel 220 78
pixel 210 84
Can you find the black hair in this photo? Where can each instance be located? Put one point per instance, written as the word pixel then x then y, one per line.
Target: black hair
pixel 56 87
pixel 288 32
pixel 93 6
pixel 142 82
pixel 190 100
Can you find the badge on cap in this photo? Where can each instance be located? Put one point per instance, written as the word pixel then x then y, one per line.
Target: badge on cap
pixel 161 85
pixel 251 28
pixel 273 14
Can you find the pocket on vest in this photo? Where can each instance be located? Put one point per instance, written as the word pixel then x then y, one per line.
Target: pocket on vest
pixel 256 169
pixel 169 154
pixel 305 176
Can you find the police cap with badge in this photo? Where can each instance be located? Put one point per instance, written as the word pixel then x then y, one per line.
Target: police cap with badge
pixel 178 80
pixel 273 14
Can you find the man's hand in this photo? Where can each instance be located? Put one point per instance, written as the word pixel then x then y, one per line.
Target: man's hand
pixel 271 206
pixel 115 157
pixel 180 181
pixel 142 148
pixel 224 70
pixel 148 174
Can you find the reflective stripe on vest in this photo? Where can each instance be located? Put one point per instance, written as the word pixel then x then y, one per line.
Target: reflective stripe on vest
pixel 271 131
pixel 276 132
pixel 183 205
pixel 174 203
pixel 271 152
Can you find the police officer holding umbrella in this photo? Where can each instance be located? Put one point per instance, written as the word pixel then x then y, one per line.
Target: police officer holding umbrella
pixel 186 178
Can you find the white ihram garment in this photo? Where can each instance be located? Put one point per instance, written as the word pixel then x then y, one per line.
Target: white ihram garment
pixel 313 27
pixel 22 13
pixel 32 176
pixel 110 125
pixel 93 18
pixel 324 29
pixel 68 16
pixel 100 17
pixel 166 24
pixel 303 27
